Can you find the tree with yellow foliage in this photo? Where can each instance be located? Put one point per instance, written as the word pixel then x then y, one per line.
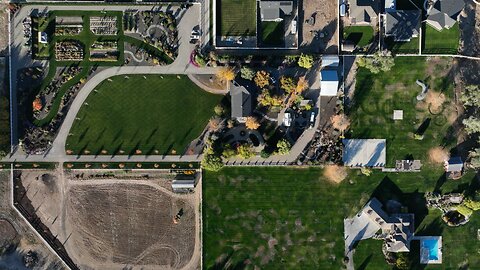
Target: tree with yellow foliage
pixel 252 123
pixel 225 75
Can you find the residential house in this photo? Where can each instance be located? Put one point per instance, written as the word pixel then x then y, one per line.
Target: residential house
pixel 443 14
pixel 241 102
pixel 402 25
pixel 363 12
pixel 275 10
pixel 454 167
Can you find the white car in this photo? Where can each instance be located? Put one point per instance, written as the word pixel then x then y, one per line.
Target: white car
pixel 287 119
pixel 312 119
pixel 195 34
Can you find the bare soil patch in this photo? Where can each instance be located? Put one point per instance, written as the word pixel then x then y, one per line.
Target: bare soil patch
pixel 325 17
pixel 335 174
pixel 438 155
pixel 435 101
pixel 7 233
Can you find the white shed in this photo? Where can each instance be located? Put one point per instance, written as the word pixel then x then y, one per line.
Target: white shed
pixel 329 82
pixel 330 61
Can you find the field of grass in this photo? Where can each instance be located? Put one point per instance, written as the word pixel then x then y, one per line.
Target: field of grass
pixel 359 35
pixel 445 41
pixel 286 218
pixel 273 34
pixel 237 17
pixel 162 113
pixel 377 95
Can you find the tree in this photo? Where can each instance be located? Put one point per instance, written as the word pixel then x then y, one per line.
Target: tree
pixel 247 73
pixel 475 158
pixel 471 96
pixel 252 123
pixel 215 124
pixel 283 147
pixel 403 261
pixel 380 61
pixel 340 122
pixel 474 205
pixel 267 100
pixel 305 61
pixel 225 74
pixel 287 84
pixel 302 85
pixel 245 151
pixel 462 209
pixel 228 152
pixel 219 110
pixel 472 125
pixel 262 78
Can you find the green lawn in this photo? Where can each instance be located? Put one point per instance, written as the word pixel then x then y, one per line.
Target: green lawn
pixel 377 95
pixel 147 114
pixel 285 218
pixel 359 35
pixel 237 17
pixel 402 47
pixel 445 41
pixel 273 34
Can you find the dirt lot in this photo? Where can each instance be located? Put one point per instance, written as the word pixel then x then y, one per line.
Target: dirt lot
pixel 108 223
pixel 325 14
pixel 470 30
pixel 21 239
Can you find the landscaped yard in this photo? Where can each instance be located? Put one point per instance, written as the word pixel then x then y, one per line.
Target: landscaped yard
pixel 359 35
pixel 378 95
pixel 403 47
pixel 236 17
pixel 273 33
pixel 285 218
pixel 163 113
pixel 445 41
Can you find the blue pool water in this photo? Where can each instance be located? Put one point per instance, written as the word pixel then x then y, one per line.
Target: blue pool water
pixel 432 246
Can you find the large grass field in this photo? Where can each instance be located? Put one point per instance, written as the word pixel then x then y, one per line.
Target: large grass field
pixel 237 17
pixel 359 35
pixel 162 113
pixel 378 95
pixel 273 34
pixel 445 41
pixel 285 218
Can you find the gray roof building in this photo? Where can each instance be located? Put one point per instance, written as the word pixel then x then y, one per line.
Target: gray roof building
pixel 183 185
pixel 275 10
pixel 402 25
pixel 363 11
pixel 443 14
pixel 241 102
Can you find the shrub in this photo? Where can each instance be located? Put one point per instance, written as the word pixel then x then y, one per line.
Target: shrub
pixel 472 125
pixel 211 162
pixel 366 171
pixel 247 73
pixel 305 61
pixel 245 151
pixel 380 61
pixel 262 78
pixel 264 154
pixel 252 123
pixel 283 147
pixel 219 110
pixel 288 84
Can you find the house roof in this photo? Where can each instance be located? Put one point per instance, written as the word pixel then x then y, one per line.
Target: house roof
pixel 402 25
pixel 241 100
pixel 455 164
pixel 444 13
pixel 274 10
pixel 362 11
pixel 329 82
pixel 364 152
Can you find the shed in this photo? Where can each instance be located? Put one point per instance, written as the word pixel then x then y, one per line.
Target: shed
pixel 329 82
pixel 330 61
pixel 183 185
pixel 364 153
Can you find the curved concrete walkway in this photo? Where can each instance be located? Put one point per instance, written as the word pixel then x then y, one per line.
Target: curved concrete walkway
pixel 206 88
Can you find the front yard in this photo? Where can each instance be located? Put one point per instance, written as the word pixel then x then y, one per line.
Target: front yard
pixel 446 41
pixel 378 95
pixel 285 218
pixel 155 114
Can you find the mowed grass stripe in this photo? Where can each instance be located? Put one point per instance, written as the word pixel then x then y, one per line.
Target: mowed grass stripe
pixel 238 17
pixel 145 114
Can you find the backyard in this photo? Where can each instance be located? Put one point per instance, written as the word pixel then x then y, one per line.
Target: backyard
pixel 273 34
pixel 285 218
pixel 359 35
pixel 446 41
pixel 237 17
pixel 402 47
pixel 153 114
pixel 426 124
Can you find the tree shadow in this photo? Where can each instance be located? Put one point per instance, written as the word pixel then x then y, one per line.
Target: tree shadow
pixel 438 185
pixel 365 263
pixel 424 126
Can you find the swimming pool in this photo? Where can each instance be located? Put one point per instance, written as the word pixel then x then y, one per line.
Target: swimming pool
pixel 432 246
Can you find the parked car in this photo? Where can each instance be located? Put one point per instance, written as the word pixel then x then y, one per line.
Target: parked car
pixel 195 34
pixel 312 119
pixel 287 119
